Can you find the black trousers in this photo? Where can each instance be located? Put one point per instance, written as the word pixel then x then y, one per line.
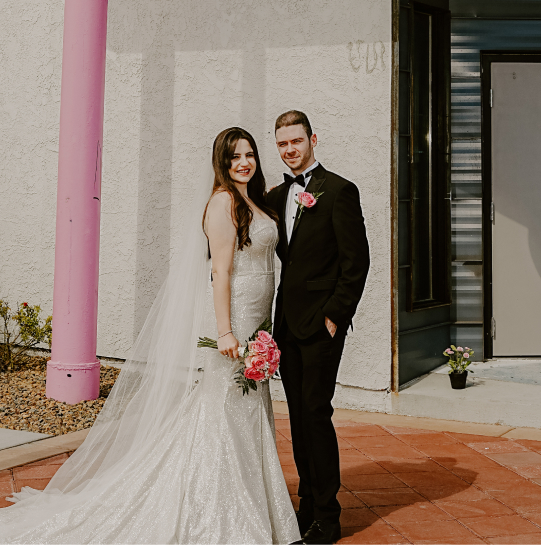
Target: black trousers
pixel 309 369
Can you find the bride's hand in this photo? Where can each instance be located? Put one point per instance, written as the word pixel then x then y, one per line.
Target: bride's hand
pixel 229 346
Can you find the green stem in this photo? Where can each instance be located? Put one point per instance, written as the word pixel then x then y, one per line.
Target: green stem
pixel 205 342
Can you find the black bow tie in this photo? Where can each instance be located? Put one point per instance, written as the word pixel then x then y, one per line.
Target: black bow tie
pixel 295 180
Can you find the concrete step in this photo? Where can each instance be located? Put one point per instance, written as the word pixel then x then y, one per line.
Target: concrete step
pixel 13 438
pixel 31 452
pixel 484 400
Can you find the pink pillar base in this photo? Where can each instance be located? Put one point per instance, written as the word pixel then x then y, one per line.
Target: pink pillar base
pixel 72 383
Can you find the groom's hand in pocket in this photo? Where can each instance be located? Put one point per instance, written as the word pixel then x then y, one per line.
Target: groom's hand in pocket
pixel 331 326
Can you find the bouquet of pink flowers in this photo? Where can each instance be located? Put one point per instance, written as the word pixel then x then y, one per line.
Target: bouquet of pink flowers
pixel 261 357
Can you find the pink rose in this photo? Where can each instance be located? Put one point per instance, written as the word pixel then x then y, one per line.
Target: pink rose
pixel 248 361
pixel 274 345
pixel 306 199
pixel 260 348
pixel 277 354
pixel 459 349
pixel 271 354
pixel 466 355
pixel 251 351
pixel 449 351
pixel 258 362
pixel 254 374
pixel 272 368
pixel 264 337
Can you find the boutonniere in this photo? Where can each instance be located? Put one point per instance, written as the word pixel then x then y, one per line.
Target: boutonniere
pixel 307 200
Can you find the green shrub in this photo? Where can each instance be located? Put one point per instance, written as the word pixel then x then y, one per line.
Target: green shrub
pixel 20 331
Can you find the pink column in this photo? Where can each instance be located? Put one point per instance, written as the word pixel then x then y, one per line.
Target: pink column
pixel 73 374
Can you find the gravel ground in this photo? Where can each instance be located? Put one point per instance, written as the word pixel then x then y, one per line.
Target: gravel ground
pixel 23 405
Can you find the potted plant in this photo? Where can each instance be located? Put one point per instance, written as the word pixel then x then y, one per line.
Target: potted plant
pixel 459 359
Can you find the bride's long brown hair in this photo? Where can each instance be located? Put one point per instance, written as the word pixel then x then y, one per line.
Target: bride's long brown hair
pixel 222 154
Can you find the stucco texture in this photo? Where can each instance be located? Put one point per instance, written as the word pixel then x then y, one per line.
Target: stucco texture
pixel 30 69
pixel 177 73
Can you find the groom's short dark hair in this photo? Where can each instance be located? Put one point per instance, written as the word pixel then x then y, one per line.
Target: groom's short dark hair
pixel 294 117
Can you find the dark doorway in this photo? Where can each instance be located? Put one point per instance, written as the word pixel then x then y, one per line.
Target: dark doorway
pixel 424 232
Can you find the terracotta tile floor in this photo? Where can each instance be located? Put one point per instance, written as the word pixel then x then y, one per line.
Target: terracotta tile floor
pixel 403 485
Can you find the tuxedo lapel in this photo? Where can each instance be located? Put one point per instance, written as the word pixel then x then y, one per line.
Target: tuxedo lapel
pixel 314 185
pixel 282 203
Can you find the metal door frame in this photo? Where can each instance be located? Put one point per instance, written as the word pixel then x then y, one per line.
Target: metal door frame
pixel 487 58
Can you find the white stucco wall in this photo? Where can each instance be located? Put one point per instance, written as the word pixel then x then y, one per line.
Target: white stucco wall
pixel 178 72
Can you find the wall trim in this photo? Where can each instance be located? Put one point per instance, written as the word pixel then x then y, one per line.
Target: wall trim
pixel 394 194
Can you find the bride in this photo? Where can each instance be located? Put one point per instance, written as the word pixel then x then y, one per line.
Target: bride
pixel 178 453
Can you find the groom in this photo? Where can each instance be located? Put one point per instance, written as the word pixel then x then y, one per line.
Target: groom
pixel 325 260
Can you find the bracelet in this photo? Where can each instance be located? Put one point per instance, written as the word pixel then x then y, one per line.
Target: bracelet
pixel 230 331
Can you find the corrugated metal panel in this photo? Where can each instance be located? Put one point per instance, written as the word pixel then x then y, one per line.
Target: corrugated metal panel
pixel 467 292
pixel 508 9
pixel 466 169
pixel 466 229
pixel 469 336
pixel 469 37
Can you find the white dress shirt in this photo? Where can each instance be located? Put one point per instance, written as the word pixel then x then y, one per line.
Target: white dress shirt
pixel 291 205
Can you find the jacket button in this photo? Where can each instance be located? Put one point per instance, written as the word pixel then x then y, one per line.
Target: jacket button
pixel 291 262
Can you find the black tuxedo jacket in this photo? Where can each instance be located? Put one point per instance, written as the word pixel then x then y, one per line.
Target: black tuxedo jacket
pixel 325 264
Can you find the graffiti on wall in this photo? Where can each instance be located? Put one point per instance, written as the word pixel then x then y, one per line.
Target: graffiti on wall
pixel 369 55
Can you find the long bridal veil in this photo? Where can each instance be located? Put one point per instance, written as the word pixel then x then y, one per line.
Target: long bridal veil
pixel 150 393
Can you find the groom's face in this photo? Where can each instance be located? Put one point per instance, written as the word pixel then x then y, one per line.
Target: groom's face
pixel 295 148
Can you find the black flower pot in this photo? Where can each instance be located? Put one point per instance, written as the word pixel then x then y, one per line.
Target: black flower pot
pixel 458 380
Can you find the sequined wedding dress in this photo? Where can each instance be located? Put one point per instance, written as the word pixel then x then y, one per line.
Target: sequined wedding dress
pixel 213 477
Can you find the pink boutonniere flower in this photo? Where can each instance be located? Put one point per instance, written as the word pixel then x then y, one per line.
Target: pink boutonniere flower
pixel 307 200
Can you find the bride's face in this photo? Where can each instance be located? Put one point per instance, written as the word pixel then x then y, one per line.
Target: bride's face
pixel 243 163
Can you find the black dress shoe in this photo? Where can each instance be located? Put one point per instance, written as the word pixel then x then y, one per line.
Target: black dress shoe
pixel 323 532
pixel 304 520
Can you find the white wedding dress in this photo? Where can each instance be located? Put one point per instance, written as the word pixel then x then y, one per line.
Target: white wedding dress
pixel 213 476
